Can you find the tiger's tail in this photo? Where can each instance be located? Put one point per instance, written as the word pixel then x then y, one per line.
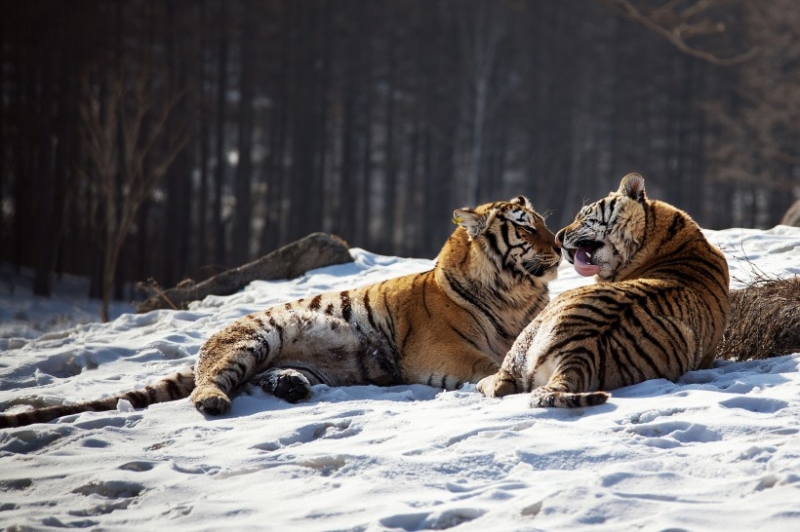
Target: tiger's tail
pixel 176 386
pixel 542 398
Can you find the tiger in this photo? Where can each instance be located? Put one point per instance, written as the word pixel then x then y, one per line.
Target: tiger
pixel 658 308
pixel 445 327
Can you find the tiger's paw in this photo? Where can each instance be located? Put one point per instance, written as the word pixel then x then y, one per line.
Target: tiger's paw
pixel 498 385
pixel 287 384
pixel 211 400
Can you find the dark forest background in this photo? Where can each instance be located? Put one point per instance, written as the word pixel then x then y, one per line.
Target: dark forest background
pixel 176 138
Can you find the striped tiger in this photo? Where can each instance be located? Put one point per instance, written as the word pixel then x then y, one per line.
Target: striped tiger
pixel 444 327
pixel 657 310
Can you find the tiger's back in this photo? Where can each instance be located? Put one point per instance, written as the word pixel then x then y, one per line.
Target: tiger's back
pixel 658 310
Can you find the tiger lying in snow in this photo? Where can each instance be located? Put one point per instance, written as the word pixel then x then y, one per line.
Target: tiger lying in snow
pixel 658 310
pixel 443 327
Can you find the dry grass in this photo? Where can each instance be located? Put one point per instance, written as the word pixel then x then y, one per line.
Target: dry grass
pixel 764 321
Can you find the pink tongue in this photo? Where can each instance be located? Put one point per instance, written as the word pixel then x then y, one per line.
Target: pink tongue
pixel 582 265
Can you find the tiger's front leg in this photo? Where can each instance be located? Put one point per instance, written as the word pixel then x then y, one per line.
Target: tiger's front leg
pixel 500 384
pixel 508 379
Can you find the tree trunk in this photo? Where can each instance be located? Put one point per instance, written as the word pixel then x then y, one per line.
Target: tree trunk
pixel 44 169
pixel 175 250
pixel 275 163
pixel 205 150
pixel 387 242
pixel 219 177
pixel 240 251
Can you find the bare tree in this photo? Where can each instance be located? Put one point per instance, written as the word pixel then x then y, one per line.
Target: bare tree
pixel 117 146
pixel 678 22
pixel 481 39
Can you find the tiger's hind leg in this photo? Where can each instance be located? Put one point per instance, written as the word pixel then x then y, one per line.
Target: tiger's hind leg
pixel 327 345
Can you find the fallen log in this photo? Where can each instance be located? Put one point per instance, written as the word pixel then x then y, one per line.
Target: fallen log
pixel 317 250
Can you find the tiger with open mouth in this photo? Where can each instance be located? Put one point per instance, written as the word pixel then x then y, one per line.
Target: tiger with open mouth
pixel 658 309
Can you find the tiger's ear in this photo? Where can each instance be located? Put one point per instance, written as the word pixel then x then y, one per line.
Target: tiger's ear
pixel 522 200
pixel 632 185
pixel 473 222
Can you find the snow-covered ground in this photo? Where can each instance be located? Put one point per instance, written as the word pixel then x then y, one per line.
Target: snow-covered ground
pixel 718 450
pixel 25 316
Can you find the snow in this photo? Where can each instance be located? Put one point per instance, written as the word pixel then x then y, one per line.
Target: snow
pixel 718 450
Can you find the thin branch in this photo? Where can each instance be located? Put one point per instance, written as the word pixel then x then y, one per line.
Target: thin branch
pixel 681 30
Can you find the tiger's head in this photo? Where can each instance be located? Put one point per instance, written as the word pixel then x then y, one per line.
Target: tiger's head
pixel 513 236
pixel 607 233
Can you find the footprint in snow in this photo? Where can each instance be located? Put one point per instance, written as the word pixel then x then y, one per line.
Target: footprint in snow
pixel 649 416
pixel 761 405
pixel 26 441
pixel 111 489
pixel 668 434
pixel 312 432
pixel 104 497
pixel 440 520
pixel 139 466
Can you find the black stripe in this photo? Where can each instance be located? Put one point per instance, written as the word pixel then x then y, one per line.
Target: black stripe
pixel 363 368
pixel 239 368
pixel 677 224
pixel 315 303
pixel 172 389
pixel 506 240
pixel 609 299
pixel 347 310
pixel 137 398
pixel 405 340
pixel 389 363
pixel 601 207
pixel 577 365
pixel 368 308
pixel 307 370
pixel 477 303
pixel 698 296
pixel 277 328
pixel 390 318
pixel 586 305
pixel 425 296
pixel 603 346
pixel 639 350
pixel 466 338
pixel 492 240
pixel 617 351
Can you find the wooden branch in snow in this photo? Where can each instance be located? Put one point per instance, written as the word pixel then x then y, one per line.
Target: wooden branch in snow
pixel 317 250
